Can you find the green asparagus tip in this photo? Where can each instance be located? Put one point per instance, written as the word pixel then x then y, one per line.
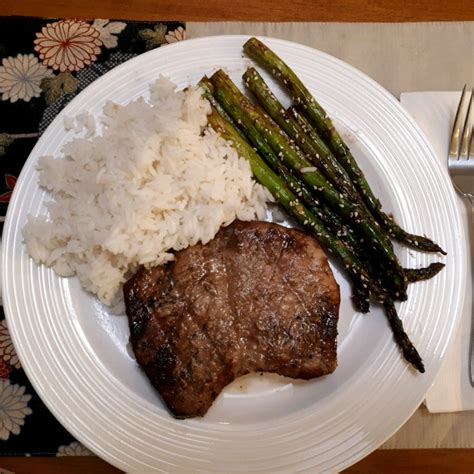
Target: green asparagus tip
pixel 419 274
pixel 409 351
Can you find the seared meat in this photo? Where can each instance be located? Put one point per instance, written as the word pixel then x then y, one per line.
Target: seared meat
pixel 258 297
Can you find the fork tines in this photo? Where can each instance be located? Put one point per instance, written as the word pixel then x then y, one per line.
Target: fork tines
pixel 461 137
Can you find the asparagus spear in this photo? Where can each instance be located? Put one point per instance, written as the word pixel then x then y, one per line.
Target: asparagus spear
pixel 325 128
pixel 419 274
pixel 290 202
pixel 418 242
pixel 208 90
pixel 242 112
pixel 408 349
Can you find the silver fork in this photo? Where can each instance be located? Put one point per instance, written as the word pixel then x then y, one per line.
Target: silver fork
pixel 461 170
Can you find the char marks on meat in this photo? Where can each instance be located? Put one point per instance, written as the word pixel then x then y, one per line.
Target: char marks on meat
pixel 258 297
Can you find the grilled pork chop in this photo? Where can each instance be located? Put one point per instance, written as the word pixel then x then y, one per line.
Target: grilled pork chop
pixel 258 297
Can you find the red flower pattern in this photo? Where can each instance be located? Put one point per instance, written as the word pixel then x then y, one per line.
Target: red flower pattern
pixel 10 181
pixel 68 45
pixel 4 370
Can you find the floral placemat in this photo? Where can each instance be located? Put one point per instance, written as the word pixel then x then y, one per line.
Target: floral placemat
pixel 44 64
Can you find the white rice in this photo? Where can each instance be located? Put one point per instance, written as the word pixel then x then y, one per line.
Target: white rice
pixel 148 183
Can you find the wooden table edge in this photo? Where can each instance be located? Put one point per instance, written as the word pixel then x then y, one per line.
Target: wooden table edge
pixel 386 461
pixel 247 10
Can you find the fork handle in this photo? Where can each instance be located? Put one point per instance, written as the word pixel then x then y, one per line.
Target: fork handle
pixel 471 201
pixel 471 341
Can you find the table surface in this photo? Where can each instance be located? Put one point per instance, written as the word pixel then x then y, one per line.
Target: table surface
pixel 249 10
pixel 387 461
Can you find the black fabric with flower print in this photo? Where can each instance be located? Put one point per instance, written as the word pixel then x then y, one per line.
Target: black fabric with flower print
pixel 44 61
pixel 44 64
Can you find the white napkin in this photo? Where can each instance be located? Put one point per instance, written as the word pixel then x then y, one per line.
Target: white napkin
pixel 451 391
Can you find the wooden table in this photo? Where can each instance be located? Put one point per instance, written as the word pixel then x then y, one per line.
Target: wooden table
pixel 250 10
pixel 381 461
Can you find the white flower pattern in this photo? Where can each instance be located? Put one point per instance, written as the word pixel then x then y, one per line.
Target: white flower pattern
pixel 7 350
pixel 74 449
pixel 21 76
pixel 13 408
pixel 176 35
pixel 108 29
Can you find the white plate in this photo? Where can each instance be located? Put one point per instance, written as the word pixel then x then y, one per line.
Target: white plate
pixel 75 352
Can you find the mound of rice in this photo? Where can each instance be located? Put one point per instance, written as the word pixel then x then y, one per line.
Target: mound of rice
pixel 148 183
